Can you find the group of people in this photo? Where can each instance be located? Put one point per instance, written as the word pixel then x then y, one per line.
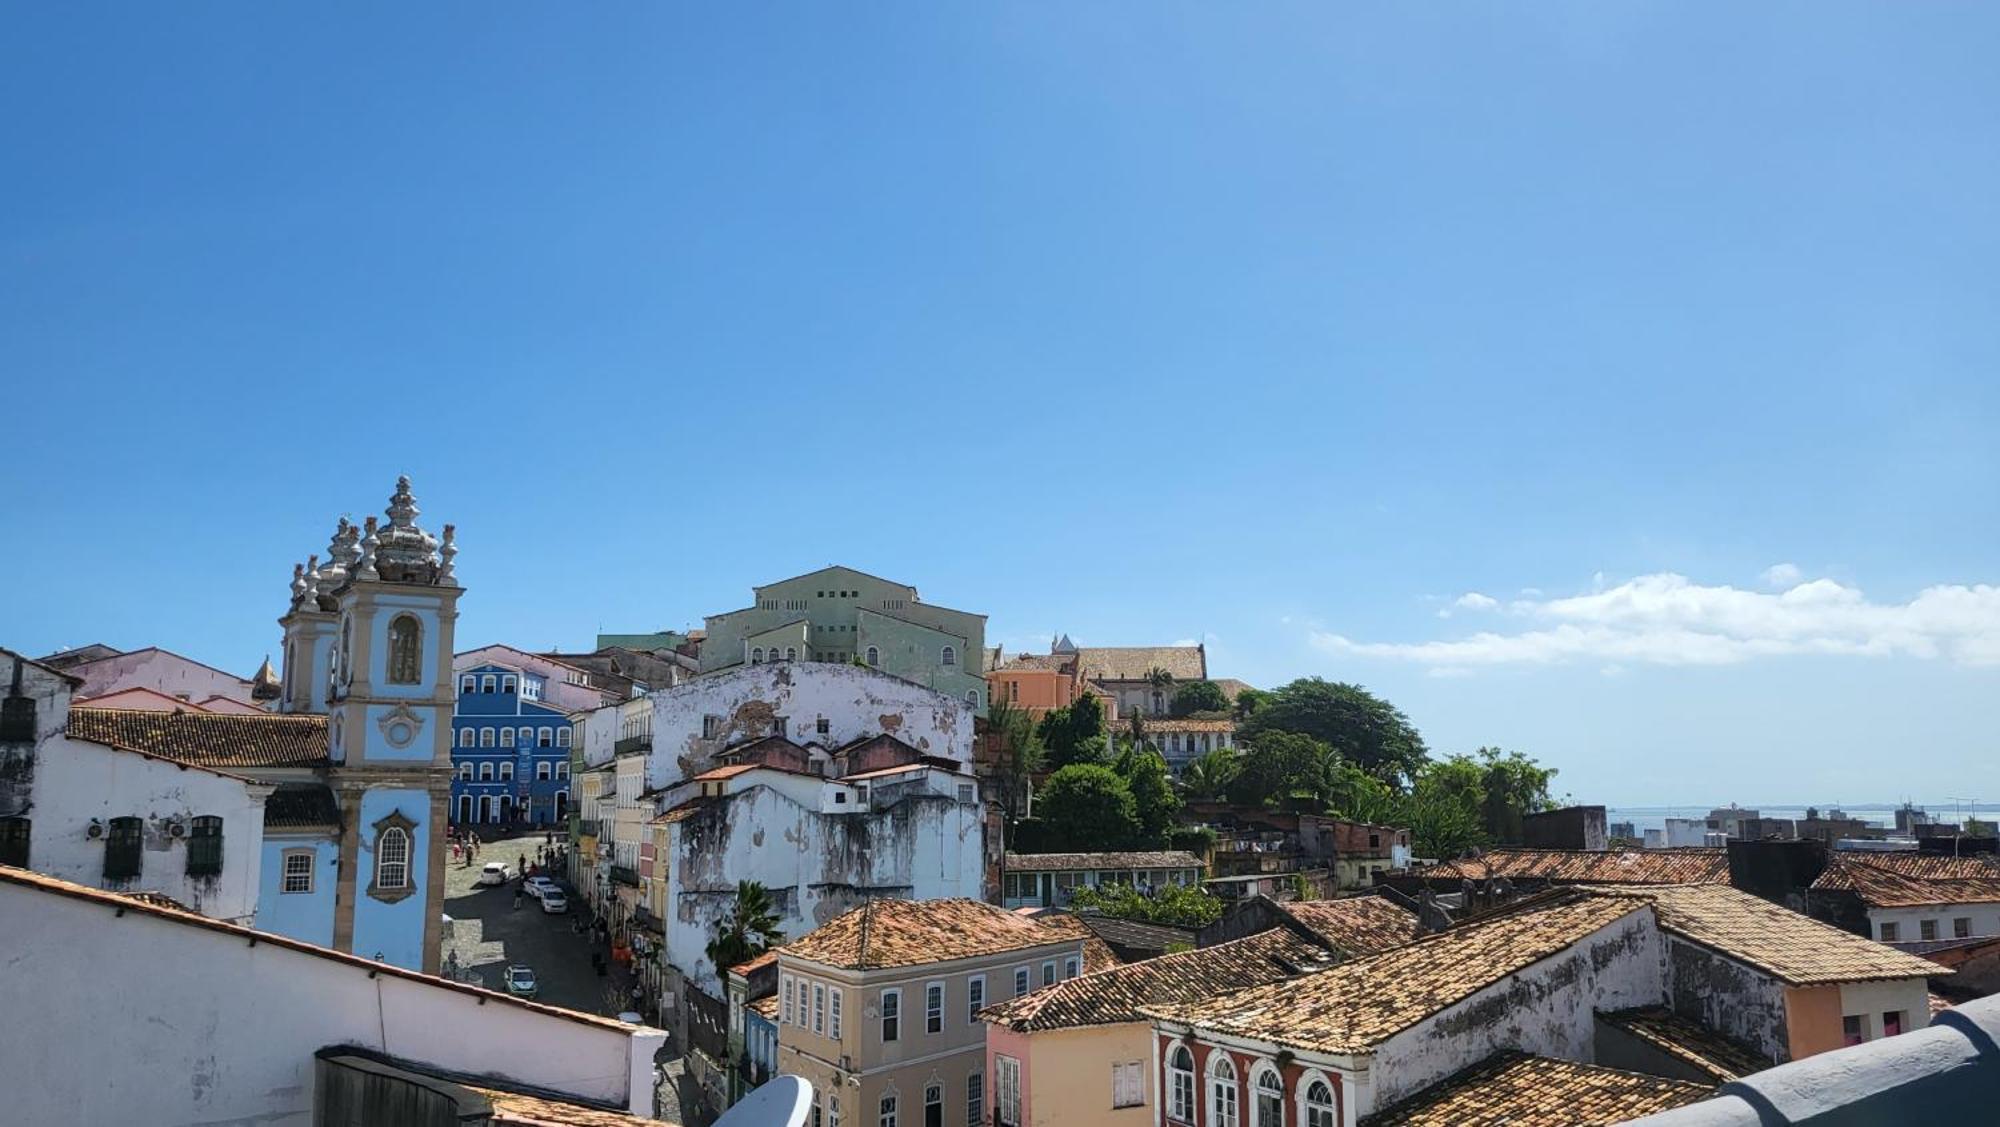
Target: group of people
pixel 464 846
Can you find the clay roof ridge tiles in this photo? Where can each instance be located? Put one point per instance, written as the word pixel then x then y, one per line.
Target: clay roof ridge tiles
pixel 1689 1041
pixel 208 739
pixel 1512 1087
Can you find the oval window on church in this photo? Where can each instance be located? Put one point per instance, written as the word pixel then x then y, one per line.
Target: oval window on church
pixel 406 645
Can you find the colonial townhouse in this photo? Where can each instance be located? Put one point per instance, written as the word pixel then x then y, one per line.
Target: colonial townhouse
pixel 510 754
pixel 1556 978
pixel 879 1008
pixel 1910 897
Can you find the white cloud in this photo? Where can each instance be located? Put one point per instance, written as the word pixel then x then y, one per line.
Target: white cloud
pixel 1471 600
pixel 1783 576
pixel 1666 619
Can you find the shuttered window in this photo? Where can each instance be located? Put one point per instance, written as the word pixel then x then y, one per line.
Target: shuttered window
pixel 121 849
pixel 14 842
pixel 205 846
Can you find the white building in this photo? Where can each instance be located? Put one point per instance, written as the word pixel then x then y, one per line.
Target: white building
pixel 157 678
pixel 190 1020
pixel 119 819
pixel 1917 898
pixel 563 685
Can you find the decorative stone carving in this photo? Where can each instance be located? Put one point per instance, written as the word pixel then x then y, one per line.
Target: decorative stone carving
pixel 405 553
pixel 364 568
pixel 400 726
pixel 445 575
pixel 395 822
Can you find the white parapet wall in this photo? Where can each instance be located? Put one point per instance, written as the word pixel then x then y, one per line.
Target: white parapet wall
pixel 147 1015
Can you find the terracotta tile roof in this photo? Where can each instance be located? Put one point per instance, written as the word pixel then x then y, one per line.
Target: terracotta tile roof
pixel 729 772
pixel 1065 862
pixel 767 1006
pixel 1512 1089
pixel 1923 866
pixel 208 739
pixel 1356 1006
pixel 1885 886
pixel 1097 954
pixel 1133 663
pixel 1939 1004
pixel 929 763
pixel 1137 935
pixel 158 900
pixel 1114 996
pixel 685 810
pixel 152 906
pixel 301 805
pixel 515 1110
pixel 907 933
pixel 1360 925
pixel 1052 663
pixel 1578 866
pixel 1231 687
pixel 1796 949
pixel 1690 1042
pixel 752 966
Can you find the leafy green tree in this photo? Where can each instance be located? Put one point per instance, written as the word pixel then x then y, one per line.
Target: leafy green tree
pixel 1175 905
pixel 1154 803
pixel 1248 701
pixel 1199 696
pixel 1207 778
pixel 1514 786
pixel 1020 757
pixel 750 929
pixel 1089 807
pixel 1445 809
pixel 1367 730
pixel 1285 769
pixel 1362 797
pixel 1075 734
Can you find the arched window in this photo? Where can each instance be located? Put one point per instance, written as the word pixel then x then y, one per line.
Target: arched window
pixel 488 683
pixel 1221 1091
pixel 757 656
pixel 392 859
pixel 1270 1098
pixel 562 737
pixel 406 650
pixel 527 736
pixel 466 736
pixel 506 737
pixel 485 737
pixel 949 657
pixel 506 770
pixel 1319 1104
pixel 972 697
pixel 791 653
pixel 486 772
pixel 465 772
pixel 874 656
pixel 545 737
pixel 1180 1085
pixel 507 684
pixel 468 684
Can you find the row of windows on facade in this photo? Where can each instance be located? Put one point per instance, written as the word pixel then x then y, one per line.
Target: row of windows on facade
pixel 826 1105
pixel 1267 1093
pixel 124 846
pixel 1961 928
pixel 474 683
pixel 544 771
pixel 392 864
pixel 948 656
pixel 505 737
pixel 814 1005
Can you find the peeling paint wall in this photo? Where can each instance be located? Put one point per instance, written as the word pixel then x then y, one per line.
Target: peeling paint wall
pixel 77 781
pixel 816 865
pixel 749 701
pixel 1548 1008
pixel 1728 997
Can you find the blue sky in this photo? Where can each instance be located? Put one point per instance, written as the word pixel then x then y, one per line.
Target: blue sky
pixel 1287 327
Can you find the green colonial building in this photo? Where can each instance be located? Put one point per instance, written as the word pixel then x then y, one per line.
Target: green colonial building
pixel 840 614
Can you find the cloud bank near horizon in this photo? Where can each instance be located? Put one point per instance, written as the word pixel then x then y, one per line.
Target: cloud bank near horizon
pixel 1668 619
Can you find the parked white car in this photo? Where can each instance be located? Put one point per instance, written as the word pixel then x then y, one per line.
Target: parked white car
pixel 495 873
pixel 538 886
pixel 554 902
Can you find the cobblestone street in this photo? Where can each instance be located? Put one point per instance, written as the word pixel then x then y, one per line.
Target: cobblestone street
pixel 488 934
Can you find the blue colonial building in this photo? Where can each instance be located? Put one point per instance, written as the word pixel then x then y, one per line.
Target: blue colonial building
pixel 510 750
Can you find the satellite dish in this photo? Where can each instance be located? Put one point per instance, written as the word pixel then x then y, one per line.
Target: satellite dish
pixel 782 1101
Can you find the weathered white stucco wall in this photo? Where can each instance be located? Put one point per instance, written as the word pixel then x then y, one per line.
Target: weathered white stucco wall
pixel 1729 997
pixel 77 781
pixel 161 671
pixel 816 865
pixel 139 1019
pixel 1983 919
pixel 1910 997
pixel 854 700
pixel 1548 1008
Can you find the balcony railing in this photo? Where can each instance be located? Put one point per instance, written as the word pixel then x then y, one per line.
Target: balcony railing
pixel 625 874
pixel 633 744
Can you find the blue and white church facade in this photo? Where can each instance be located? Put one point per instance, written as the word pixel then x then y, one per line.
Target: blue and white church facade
pixel 368 644
pixel 511 750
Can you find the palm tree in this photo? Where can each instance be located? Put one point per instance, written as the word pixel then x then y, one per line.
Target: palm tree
pixel 749 931
pixel 1021 755
pixel 1207 779
pixel 1163 683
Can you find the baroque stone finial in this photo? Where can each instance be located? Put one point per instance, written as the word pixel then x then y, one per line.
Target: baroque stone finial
pixel 298 585
pixel 445 576
pixel 364 568
pixel 405 553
